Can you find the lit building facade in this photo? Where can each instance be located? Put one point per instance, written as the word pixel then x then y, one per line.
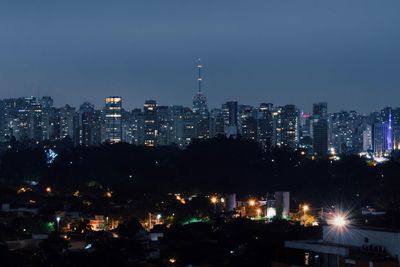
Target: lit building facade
pixel 113 119
pixel 150 123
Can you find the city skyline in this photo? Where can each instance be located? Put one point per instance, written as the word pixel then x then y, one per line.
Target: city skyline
pixel 274 52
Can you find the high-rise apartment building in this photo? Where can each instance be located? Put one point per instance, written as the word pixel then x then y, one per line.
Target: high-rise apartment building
pixel 113 119
pixel 150 123
pixel 290 126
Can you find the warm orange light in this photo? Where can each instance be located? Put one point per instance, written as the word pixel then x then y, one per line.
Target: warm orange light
pixel 252 202
pixel 172 260
pixel 48 189
pixel 306 208
pixel 259 212
pixel 214 200
pixel 108 194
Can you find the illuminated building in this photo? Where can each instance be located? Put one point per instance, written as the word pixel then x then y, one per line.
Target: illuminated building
pixel 89 125
pixel 290 126
pixel 230 113
pixel 36 122
pixel 265 125
pixel 367 138
pixel 3 123
pixel 346 132
pixel 396 128
pixel 113 119
pixel 379 140
pixel 277 126
pixel 320 128
pixel 67 122
pixel 305 131
pixel 164 136
pixel 48 118
pixel 150 122
pixel 248 122
pixel 217 123
pixel 184 123
pixel 135 127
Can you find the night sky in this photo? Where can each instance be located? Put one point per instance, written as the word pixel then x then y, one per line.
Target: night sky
pixel 345 52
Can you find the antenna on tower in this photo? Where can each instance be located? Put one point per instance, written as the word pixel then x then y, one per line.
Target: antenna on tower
pixel 199 78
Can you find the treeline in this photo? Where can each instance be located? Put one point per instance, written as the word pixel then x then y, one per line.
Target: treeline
pixel 213 165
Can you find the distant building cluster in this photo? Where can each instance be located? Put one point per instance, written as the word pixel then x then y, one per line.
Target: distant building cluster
pixel 319 132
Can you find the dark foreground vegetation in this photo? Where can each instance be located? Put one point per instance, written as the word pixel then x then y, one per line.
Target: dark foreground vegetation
pixel 214 165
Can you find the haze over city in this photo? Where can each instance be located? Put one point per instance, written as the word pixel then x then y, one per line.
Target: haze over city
pixel 284 52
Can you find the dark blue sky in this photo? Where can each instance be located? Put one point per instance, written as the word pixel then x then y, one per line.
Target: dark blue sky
pixel 346 52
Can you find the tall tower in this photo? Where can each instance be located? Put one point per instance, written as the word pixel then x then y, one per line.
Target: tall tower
pixel 199 100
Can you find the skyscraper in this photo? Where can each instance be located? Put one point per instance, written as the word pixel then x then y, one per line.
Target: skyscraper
pixel 89 125
pixel 68 123
pixel 248 122
pixel 183 125
pixel 164 136
pixel 290 126
pixel 230 112
pixel 265 125
pixel 113 119
pixel 320 128
pixel 150 122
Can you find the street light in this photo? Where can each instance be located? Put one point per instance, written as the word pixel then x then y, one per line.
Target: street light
pixel 252 202
pixel 259 212
pixel 305 208
pixel 58 223
pixel 214 201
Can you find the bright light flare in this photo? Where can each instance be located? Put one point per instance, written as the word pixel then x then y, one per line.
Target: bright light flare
pixel 339 221
pixel 214 200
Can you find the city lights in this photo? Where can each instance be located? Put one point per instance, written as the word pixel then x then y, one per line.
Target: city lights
pixel 214 200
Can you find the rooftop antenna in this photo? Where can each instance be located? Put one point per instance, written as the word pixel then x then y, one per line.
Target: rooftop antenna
pixel 199 78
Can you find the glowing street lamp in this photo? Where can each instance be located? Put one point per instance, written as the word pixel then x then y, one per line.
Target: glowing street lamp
pixel 58 223
pixel 252 202
pixel 305 209
pixel 214 201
